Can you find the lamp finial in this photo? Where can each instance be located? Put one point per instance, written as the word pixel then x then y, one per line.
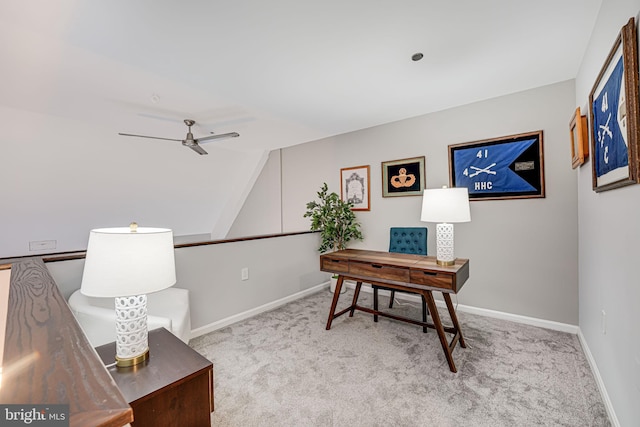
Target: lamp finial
pixel 133 227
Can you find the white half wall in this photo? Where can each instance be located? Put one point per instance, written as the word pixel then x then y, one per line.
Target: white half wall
pixel 278 268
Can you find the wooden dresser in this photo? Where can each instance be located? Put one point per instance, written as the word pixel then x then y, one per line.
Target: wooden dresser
pixel 174 387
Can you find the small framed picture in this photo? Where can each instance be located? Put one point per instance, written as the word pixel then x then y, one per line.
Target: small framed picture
pixel 613 115
pixel 403 177
pixel 579 139
pixel 509 167
pixel 354 187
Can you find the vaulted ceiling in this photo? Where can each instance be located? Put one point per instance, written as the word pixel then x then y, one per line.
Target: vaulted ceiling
pixel 280 72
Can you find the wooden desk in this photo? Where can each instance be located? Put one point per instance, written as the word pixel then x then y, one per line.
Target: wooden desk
pixel 413 273
pixel 173 388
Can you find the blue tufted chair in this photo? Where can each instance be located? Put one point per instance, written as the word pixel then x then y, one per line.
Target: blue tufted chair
pixel 407 240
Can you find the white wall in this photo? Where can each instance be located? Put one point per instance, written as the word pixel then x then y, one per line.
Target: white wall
pixel 265 197
pixel 523 253
pixel 62 177
pixel 609 231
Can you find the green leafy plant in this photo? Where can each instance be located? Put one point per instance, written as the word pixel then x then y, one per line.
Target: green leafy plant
pixel 334 219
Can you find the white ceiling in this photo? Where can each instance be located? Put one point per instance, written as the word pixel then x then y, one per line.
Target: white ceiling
pixel 279 72
pixel 74 73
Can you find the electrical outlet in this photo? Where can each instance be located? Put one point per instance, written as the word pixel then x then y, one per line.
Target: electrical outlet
pixel 604 322
pixel 244 274
pixel 637 369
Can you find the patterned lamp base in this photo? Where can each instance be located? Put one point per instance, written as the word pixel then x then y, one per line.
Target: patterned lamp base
pixel 132 344
pixel 444 244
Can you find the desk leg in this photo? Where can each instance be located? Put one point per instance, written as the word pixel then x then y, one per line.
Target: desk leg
pixel 454 318
pixel 375 302
pixel 438 324
pixel 334 303
pixel 356 294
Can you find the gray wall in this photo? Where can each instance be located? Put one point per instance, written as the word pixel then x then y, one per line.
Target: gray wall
pixel 609 232
pixel 524 255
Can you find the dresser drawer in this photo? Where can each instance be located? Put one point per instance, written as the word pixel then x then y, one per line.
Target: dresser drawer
pixel 334 265
pixel 379 271
pixel 437 280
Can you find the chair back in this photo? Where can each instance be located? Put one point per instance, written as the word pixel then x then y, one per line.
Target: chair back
pixel 408 240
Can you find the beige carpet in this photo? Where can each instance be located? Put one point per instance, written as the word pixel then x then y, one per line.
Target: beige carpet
pixel 282 368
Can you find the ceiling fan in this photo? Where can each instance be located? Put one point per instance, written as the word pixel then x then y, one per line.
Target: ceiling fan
pixel 190 141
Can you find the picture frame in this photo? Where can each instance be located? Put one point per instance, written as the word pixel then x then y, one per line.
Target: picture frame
pixel 355 187
pixel 613 113
pixel 579 136
pixel 404 177
pixel 508 167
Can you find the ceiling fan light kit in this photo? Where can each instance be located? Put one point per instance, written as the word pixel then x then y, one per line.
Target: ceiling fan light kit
pixel 190 141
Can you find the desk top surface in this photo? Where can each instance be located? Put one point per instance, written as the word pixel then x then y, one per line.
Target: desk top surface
pixel 400 270
pixel 398 260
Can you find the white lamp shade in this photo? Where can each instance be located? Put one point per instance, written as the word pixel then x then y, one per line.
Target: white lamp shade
pixel 121 262
pixel 446 205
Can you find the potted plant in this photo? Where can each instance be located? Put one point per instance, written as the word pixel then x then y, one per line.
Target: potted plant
pixel 334 219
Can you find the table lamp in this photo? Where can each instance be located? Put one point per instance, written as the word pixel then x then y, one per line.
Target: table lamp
pixel 445 206
pixel 127 263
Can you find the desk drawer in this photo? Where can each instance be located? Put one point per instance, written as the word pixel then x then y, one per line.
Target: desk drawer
pixel 335 265
pixel 379 271
pixel 427 278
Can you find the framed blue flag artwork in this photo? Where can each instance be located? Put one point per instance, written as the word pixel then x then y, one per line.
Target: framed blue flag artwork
pixel 509 167
pixel 613 111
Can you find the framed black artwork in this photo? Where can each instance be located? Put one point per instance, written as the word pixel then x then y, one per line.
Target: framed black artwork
pixel 614 115
pixel 509 167
pixel 403 177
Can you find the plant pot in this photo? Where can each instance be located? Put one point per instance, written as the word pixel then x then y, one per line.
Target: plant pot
pixel 334 282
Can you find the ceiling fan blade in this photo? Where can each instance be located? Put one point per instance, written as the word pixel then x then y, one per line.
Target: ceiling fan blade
pixel 197 149
pixel 152 137
pixel 221 136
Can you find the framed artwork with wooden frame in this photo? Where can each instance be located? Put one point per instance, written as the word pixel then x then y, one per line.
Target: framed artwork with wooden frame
pixel 613 114
pixel 509 167
pixel 355 188
pixel 403 177
pixel 579 139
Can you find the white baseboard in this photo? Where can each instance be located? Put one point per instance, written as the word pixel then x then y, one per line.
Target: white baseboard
pixel 542 323
pixel 533 321
pixel 255 311
pixel 596 374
